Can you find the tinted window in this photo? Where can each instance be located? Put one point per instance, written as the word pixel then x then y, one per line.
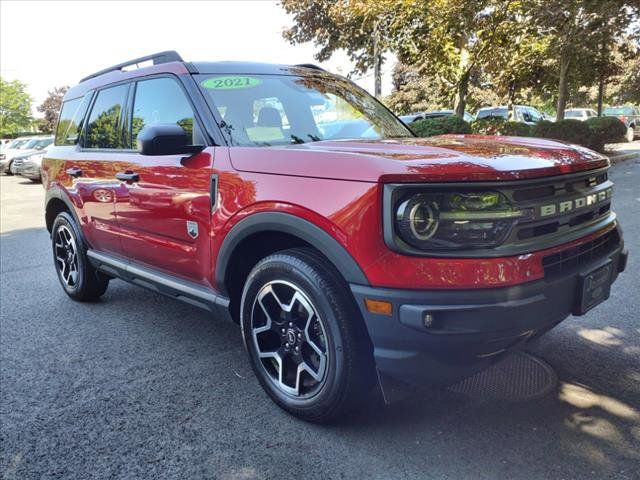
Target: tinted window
pixel 70 121
pixel 281 109
pixel 104 129
pixel 160 100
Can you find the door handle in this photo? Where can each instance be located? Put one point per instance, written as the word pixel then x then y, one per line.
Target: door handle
pixel 128 176
pixel 74 172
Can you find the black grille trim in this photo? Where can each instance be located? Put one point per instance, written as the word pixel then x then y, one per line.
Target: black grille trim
pixel 575 257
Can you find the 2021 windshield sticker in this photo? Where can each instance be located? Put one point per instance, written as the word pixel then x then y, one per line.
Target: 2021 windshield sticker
pixel 231 82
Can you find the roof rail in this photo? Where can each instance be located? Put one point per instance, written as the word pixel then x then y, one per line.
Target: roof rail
pixel 310 65
pixel 157 58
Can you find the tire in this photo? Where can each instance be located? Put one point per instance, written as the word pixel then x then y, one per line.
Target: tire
pixel 77 276
pixel 323 329
pixel 630 134
pixel 8 170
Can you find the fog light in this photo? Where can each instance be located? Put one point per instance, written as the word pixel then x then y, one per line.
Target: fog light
pixel 379 306
pixel 427 320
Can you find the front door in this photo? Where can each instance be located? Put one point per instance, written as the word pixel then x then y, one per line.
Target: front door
pixel 164 202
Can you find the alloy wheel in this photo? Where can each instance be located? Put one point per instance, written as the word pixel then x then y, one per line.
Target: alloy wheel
pixel 66 253
pixel 290 339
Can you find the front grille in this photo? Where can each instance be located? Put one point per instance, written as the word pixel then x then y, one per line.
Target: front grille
pixel 559 206
pixel 574 257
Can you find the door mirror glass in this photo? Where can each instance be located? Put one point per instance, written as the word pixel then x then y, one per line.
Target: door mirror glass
pixel 165 139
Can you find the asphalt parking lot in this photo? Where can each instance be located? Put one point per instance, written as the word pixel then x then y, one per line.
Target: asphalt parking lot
pixel 141 386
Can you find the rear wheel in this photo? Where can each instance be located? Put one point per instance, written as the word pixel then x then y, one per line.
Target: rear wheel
pixel 77 276
pixel 305 337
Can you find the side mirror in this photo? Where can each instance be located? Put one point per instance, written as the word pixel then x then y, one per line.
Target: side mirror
pixel 165 139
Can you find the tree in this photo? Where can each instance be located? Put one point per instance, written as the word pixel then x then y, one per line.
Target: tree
pixel 51 109
pixel 580 32
pixel 15 108
pixel 448 39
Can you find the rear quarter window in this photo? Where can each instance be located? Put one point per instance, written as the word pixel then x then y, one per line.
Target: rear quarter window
pixel 70 122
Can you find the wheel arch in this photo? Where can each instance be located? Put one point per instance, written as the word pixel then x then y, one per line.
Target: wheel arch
pixel 55 202
pixel 266 229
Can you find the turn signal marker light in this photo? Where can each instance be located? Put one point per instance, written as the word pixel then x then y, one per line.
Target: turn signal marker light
pixel 378 306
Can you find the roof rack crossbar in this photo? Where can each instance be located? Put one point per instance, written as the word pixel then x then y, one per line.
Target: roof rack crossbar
pixel 156 58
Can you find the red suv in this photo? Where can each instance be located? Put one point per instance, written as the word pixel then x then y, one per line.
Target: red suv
pixel 351 253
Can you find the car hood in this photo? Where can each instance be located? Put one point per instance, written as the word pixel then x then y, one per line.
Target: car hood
pixel 442 158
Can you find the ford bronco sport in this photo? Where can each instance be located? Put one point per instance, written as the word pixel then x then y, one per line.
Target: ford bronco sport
pixel 352 254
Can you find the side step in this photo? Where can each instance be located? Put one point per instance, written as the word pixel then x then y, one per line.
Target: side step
pixel 174 287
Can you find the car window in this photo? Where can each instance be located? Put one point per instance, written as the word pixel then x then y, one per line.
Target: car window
pixel 536 116
pixel 617 111
pixel 104 129
pixel 160 100
pixel 262 110
pixel 493 112
pixel 70 121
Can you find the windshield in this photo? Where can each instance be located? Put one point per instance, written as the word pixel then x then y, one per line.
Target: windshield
pixel 574 113
pixel 37 143
pixel 264 110
pixel 493 112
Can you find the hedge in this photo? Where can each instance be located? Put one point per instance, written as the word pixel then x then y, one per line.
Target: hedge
pixel 594 133
pixel 605 130
pixel 440 126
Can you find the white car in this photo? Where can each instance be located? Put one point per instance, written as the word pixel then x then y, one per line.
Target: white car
pixel 581 114
pixel 22 146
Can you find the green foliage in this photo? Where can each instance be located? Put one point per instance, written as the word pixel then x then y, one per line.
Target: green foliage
pixel 51 108
pixel 488 126
pixel 499 126
pixel 571 131
pixel 605 130
pixel 15 108
pixel 440 126
pixel 516 129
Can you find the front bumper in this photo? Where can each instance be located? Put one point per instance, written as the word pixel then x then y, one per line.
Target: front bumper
pixel 469 329
pixel 29 170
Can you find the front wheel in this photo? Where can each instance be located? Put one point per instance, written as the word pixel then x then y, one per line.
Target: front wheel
pixel 630 134
pixel 77 276
pixel 305 336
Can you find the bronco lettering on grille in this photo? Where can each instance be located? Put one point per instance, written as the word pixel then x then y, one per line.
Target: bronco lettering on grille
pixel 575 203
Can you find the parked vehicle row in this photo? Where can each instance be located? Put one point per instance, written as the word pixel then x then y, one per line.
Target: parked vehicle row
pixel 629 115
pixel 23 156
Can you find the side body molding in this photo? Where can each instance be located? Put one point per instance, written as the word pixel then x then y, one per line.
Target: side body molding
pixel 293 225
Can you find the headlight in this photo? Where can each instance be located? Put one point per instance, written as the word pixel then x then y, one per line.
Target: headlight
pixel 455 220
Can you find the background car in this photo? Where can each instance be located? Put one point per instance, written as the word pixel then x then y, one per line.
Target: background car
pixel 28 165
pixel 27 145
pixel 520 113
pixel 629 115
pixel 581 114
pixel 414 117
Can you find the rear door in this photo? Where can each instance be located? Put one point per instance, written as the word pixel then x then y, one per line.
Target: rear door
pixel 164 212
pixel 91 168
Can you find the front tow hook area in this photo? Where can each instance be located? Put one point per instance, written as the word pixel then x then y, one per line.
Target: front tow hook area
pixel 518 376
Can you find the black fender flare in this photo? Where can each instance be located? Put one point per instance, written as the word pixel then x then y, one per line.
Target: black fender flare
pixel 292 225
pixel 55 192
